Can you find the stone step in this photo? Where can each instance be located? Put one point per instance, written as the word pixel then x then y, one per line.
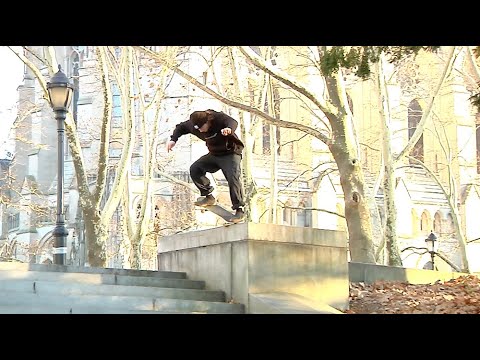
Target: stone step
pixel 114 303
pixel 7 265
pixel 63 287
pixel 100 278
pixel 57 289
pixel 53 309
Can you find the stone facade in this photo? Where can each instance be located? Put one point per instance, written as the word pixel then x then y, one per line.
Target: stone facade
pixel 309 193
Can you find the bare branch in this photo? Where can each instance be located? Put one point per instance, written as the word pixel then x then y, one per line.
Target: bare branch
pixel 426 115
pixel 278 122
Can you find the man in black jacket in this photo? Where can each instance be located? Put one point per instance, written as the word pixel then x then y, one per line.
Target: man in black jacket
pixel 217 129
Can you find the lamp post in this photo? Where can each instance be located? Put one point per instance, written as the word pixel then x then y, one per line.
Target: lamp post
pixel 431 242
pixel 60 95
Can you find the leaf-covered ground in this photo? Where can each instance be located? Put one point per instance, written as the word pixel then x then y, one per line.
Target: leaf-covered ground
pixel 456 296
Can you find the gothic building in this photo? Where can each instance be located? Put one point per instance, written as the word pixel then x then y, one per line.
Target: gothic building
pixel 294 171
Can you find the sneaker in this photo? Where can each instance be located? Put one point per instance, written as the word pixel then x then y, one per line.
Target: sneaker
pixel 239 216
pixel 205 200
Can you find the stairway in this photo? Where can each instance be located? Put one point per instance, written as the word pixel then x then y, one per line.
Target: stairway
pixel 56 289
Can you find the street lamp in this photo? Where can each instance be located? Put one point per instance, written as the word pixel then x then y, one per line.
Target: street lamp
pixel 60 95
pixel 432 245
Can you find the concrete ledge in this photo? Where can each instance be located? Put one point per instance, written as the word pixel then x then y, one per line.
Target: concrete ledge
pixel 251 258
pixel 252 231
pixel 369 273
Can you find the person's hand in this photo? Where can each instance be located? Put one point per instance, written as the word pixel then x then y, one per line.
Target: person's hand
pixel 170 145
pixel 226 131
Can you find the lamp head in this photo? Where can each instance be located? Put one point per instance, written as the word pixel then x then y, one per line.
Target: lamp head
pixel 60 91
pixel 431 241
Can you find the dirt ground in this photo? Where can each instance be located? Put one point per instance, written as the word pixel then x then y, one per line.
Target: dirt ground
pixel 456 296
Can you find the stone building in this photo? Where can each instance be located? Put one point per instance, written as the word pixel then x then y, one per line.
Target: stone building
pixel 308 189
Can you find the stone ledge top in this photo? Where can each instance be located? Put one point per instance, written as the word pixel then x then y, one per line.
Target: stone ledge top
pixel 252 232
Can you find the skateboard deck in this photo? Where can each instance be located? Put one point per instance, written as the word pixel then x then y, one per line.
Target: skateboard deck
pixel 219 211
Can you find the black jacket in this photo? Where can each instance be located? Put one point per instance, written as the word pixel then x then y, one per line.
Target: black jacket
pixel 217 144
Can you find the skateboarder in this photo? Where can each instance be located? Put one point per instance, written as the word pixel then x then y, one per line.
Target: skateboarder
pixel 217 129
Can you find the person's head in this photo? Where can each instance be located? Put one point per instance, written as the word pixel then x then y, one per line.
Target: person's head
pixel 200 120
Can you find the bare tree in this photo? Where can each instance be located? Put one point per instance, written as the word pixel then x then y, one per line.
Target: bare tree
pixel 390 233
pixel 140 226
pixel 342 143
pixel 98 205
pixel 392 162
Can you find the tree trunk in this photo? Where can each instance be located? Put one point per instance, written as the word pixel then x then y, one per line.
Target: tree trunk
pixel 346 154
pixel 357 213
pixel 97 235
pixel 393 255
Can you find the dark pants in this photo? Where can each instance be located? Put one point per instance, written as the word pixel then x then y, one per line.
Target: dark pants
pixel 230 166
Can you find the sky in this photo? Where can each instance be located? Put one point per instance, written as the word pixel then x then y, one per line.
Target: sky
pixel 11 75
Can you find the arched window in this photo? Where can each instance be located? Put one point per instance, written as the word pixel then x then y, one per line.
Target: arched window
pixel 304 217
pixel 425 222
pixel 437 223
pixel 267 128
pixel 415 222
pixel 272 107
pixel 287 214
pixel 301 215
pixel 74 63
pixel 414 116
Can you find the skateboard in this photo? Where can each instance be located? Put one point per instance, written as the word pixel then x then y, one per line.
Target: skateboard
pixel 219 211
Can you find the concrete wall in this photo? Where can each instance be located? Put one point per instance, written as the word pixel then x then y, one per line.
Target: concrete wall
pixel 250 258
pixel 369 273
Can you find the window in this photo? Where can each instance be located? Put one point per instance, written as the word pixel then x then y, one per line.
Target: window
pixel 73 60
pixel 301 215
pixel 116 107
pixel 415 222
pixel 267 136
pixel 288 214
pixel 437 223
pixel 424 222
pixel 137 165
pixel 13 221
pixel 304 217
pixel 86 52
pixel 414 116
